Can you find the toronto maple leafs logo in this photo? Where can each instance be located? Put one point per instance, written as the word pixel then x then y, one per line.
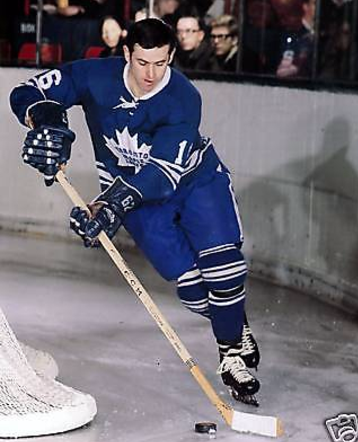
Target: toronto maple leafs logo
pixel 125 147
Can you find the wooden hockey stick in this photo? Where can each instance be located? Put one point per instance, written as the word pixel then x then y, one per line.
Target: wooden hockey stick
pixel 238 421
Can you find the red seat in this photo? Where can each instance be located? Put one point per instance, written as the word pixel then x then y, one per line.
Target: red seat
pixel 27 52
pixel 50 53
pixel 93 51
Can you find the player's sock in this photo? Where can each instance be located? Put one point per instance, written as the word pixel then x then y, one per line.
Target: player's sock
pixel 235 374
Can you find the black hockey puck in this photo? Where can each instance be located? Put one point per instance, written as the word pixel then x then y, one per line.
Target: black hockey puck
pixel 205 427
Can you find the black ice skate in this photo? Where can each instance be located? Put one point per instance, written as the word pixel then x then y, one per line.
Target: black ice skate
pixel 250 350
pixel 242 384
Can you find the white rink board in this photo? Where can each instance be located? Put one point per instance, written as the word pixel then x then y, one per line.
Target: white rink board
pixel 294 161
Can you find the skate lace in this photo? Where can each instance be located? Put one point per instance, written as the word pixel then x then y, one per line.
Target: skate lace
pixel 246 341
pixel 233 363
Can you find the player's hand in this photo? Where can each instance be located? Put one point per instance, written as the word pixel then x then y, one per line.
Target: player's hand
pixel 48 143
pixel 103 218
pixel 88 224
pixel 79 219
pixel 105 213
pixel 46 148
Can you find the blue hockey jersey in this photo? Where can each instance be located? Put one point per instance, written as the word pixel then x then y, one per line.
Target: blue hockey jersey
pixel 152 142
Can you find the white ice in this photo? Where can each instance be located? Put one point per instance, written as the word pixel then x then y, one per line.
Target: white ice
pixel 74 304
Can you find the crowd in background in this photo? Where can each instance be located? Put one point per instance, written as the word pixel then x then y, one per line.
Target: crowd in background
pixel 299 39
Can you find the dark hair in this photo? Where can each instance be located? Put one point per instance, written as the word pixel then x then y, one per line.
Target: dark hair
pixel 151 33
pixel 111 17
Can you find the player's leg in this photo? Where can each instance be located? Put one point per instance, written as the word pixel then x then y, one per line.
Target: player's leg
pixel 224 272
pixel 211 221
pixel 157 232
pixel 193 292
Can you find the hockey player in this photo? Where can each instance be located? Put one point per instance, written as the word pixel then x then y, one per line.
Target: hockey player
pixel 159 177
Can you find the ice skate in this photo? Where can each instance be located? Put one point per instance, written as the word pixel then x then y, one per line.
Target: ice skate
pixel 242 384
pixel 250 351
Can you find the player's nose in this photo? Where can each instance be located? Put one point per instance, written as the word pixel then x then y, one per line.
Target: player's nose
pixel 150 72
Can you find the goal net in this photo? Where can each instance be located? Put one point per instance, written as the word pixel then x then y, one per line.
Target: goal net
pixel 43 363
pixel 32 403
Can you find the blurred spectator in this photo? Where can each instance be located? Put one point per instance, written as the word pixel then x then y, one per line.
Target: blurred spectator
pixel 288 14
pixel 95 9
pixel 113 36
pixel 194 51
pixel 141 14
pixel 224 40
pixel 49 7
pixel 75 26
pixel 163 9
pixel 267 22
pixel 71 10
pixel 168 10
pixel 336 39
pixel 335 53
pixel 171 10
pixel 298 46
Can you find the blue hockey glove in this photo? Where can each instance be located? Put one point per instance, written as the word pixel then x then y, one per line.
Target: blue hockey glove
pixel 48 144
pixel 107 212
pixel 110 207
pixel 78 222
pixel 79 219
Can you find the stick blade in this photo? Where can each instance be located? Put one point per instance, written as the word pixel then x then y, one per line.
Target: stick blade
pixel 256 424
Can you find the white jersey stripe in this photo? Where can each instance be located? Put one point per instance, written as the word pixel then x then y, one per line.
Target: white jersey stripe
pixel 105 175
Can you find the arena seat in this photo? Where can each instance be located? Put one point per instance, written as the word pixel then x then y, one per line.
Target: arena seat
pixel 93 51
pixel 51 53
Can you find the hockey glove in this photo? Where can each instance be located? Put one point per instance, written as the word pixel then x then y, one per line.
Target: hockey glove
pixel 78 222
pixel 48 144
pixel 107 212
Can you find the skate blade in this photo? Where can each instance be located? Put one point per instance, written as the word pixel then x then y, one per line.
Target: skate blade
pixel 248 399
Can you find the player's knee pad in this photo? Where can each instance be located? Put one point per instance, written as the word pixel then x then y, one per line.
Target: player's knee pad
pixel 223 268
pixel 193 293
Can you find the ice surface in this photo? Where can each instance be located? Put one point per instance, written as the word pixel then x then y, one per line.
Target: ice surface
pixel 74 304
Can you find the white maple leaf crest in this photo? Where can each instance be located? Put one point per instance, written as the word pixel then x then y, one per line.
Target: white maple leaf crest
pixel 125 147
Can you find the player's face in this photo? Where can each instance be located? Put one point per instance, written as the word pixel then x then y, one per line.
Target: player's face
pixel 146 67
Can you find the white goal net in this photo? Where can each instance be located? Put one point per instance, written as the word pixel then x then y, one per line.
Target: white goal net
pixel 32 403
pixel 43 363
